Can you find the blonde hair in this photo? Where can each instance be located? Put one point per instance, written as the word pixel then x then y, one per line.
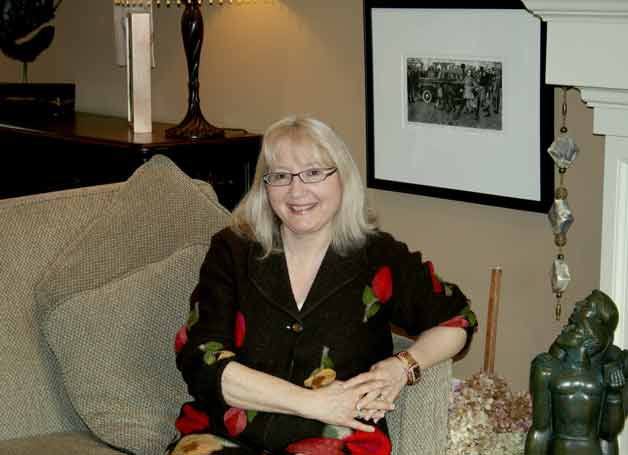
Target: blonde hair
pixel 254 218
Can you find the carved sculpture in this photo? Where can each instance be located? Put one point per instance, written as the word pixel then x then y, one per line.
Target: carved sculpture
pixel 578 386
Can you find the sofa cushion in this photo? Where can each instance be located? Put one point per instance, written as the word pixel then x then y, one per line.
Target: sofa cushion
pixel 70 443
pixel 110 306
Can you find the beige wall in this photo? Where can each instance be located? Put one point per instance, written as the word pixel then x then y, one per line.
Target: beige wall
pixel 267 59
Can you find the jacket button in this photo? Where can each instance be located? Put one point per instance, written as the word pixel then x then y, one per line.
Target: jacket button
pixel 297 328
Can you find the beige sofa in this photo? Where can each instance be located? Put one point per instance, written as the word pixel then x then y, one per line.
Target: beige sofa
pixel 94 283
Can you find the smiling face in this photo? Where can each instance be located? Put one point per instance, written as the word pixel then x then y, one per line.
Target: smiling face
pixel 305 210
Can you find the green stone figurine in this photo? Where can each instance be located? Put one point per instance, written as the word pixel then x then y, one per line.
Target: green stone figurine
pixel 578 386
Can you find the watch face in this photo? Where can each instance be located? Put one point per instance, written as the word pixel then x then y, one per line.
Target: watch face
pixel 414 374
pixel 413 368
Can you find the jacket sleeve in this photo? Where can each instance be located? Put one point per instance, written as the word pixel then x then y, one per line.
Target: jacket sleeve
pixel 210 327
pixel 420 299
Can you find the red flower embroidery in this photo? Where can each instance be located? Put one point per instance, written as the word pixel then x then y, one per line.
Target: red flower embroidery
pixel 181 338
pixel 239 330
pixel 382 284
pixel 235 421
pixel 437 286
pixel 456 321
pixel 317 446
pixel 357 443
pixel 364 443
pixel 191 420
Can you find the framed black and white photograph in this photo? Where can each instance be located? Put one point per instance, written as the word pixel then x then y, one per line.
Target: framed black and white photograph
pixel 456 104
pixel 454 92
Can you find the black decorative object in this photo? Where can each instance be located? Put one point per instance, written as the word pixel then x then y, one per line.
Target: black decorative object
pixel 18 19
pixel 36 101
pixel 193 125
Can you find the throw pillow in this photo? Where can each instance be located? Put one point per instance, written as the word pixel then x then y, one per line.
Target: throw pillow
pixel 115 348
pixel 110 305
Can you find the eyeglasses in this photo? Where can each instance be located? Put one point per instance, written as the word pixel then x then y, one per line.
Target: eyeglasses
pixel 313 175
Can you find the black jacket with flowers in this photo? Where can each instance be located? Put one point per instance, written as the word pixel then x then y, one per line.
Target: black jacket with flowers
pixel 237 289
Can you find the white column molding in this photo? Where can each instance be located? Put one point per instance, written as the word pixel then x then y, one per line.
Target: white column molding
pixel 610 118
pixel 610 110
pixel 614 266
pixel 586 49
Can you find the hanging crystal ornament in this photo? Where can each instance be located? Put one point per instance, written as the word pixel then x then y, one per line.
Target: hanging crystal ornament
pixel 564 152
pixel 560 274
pixel 560 216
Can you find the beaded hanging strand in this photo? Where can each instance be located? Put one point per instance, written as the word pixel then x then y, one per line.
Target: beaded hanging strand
pixel 563 151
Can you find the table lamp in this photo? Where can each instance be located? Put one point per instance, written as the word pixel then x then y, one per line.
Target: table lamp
pixel 193 125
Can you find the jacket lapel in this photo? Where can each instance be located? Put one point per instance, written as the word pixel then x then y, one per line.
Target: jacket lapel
pixel 270 277
pixel 334 273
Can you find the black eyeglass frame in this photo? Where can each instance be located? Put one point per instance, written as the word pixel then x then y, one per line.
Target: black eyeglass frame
pixel 328 171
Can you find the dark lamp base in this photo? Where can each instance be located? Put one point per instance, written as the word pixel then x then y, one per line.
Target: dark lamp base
pixel 194 127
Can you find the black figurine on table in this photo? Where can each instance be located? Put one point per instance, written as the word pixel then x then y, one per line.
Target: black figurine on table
pixel 20 18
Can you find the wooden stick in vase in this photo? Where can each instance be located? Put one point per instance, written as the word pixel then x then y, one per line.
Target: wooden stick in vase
pixel 491 325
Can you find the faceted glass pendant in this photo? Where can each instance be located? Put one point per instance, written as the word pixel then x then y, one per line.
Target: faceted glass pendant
pixel 560 276
pixel 560 216
pixel 563 151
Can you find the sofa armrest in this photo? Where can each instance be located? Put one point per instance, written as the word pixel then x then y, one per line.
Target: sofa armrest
pixel 419 422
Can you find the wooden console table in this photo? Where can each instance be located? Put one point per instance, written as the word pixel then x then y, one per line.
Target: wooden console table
pixel 88 149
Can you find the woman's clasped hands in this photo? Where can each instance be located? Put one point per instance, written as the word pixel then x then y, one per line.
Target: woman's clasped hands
pixel 392 375
pixel 367 396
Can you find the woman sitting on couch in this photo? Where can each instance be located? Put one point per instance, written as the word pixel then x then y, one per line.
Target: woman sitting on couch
pixel 288 344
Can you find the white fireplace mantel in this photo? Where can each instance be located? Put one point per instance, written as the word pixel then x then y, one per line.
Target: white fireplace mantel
pixel 588 10
pixel 586 41
pixel 586 49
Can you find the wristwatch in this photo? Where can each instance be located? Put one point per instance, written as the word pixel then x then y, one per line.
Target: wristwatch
pixel 413 370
